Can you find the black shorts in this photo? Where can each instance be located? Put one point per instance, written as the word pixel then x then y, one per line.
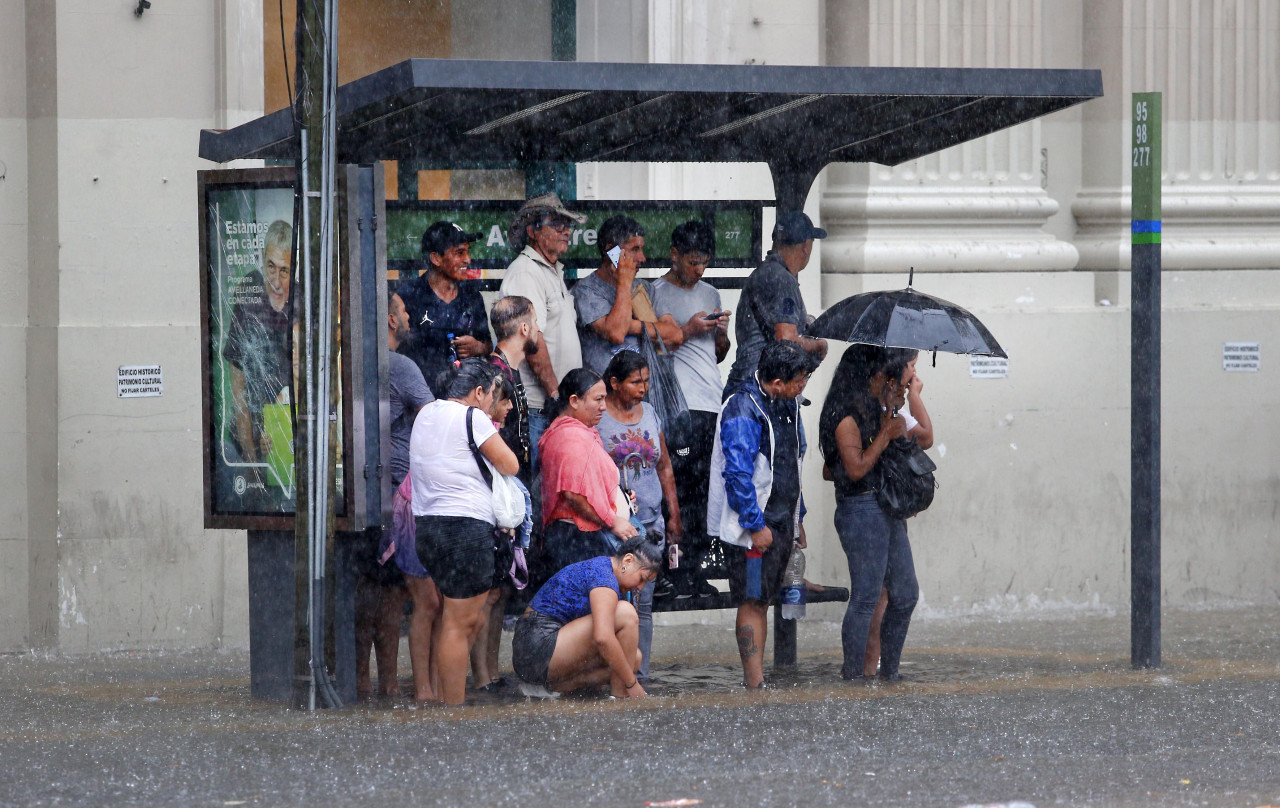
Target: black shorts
pixel 773 565
pixel 533 646
pixel 459 552
pixel 567 544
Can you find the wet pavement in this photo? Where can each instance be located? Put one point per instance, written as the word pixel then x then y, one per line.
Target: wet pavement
pixel 1042 710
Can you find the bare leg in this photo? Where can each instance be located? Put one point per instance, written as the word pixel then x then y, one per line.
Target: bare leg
pixel 576 662
pixel 426 608
pixel 365 608
pixel 460 622
pixel 872 660
pixel 494 644
pixel 434 671
pixel 386 638
pixel 481 672
pixel 752 631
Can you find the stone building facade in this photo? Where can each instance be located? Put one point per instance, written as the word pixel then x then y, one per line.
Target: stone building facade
pixel 101 538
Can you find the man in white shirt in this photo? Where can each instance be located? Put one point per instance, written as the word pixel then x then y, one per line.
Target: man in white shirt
pixel 541 230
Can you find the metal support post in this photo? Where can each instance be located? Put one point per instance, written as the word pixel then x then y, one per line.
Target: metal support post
pixel 1145 385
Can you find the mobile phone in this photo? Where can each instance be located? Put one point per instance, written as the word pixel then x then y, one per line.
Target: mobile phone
pixel 615 254
pixel 715 316
pixel 673 555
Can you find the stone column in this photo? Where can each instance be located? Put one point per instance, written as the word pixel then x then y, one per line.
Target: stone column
pixel 238 75
pixel 43 314
pixel 979 206
pixel 1217 63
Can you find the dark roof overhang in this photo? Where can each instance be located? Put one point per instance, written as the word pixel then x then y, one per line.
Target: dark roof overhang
pixel 796 119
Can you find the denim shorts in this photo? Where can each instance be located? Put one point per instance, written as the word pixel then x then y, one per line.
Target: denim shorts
pixel 533 646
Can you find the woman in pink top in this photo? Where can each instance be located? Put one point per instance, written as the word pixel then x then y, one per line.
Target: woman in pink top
pixel 579 478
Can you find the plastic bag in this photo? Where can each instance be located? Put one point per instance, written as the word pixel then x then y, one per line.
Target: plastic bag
pixel 664 390
pixel 401 541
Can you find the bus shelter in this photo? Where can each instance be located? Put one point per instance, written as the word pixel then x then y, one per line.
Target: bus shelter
pixel 481 114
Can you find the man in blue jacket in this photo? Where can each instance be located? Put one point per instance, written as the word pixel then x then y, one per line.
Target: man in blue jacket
pixel 754 502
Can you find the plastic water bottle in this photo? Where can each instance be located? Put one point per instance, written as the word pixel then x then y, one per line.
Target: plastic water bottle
pixel 453 352
pixel 794 594
pixel 754 572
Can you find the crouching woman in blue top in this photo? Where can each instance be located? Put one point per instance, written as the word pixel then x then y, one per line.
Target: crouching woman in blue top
pixel 578 632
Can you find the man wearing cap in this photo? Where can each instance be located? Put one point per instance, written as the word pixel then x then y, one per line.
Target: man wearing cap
pixel 541 231
pixel 771 307
pixel 440 303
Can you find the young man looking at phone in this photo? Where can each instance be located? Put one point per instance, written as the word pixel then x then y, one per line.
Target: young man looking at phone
pixel 688 299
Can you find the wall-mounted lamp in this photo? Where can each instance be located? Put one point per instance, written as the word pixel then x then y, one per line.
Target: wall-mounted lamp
pixel 143 5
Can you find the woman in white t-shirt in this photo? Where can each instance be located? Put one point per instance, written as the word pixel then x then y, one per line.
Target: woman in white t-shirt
pixel 453 512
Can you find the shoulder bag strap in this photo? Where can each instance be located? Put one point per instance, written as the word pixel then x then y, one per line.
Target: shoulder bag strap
pixel 475 450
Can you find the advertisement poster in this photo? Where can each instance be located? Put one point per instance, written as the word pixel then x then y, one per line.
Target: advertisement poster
pixel 251 337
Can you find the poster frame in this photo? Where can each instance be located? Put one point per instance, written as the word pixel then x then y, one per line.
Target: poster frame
pixel 214 519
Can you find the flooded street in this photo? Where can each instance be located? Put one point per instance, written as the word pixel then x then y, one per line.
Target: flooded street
pixel 1044 711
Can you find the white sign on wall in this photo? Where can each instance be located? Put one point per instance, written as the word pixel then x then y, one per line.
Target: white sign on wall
pixel 138 381
pixel 988 367
pixel 1242 357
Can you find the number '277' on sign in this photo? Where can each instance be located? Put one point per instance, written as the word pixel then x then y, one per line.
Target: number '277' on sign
pixel 1146 168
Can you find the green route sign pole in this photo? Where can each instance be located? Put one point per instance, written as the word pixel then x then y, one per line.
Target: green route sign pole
pixel 1144 548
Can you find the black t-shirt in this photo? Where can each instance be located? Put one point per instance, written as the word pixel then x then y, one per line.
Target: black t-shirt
pixel 431 320
pixel 868 426
pixel 770 296
pixel 515 432
pixel 785 494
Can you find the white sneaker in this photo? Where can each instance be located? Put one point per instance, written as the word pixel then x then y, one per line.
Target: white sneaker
pixel 533 691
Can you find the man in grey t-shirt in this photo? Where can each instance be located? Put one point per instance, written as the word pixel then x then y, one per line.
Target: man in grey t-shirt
pixel 380 588
pixel 688 299
pixel 408 389
pixel 771 307
pixel 606 320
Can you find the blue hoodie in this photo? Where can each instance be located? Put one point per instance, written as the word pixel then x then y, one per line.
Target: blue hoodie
pixel 742 462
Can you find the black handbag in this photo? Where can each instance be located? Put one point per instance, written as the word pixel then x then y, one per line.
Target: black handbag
pixel 906 484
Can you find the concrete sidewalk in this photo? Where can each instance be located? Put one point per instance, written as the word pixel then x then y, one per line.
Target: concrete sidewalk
pixel 1043 710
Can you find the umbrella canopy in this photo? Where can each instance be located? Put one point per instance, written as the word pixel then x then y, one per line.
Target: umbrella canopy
pixel 906 319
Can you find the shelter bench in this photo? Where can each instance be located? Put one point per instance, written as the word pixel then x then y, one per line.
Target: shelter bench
pixel 784 631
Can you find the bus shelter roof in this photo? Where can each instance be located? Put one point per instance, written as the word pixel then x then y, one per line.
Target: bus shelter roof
pixel 464 113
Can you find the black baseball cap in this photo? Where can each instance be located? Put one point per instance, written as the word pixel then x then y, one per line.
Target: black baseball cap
pixel 440 236
pixel 795 227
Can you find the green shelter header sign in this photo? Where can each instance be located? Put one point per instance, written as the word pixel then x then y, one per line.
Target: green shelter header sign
pixel 737 226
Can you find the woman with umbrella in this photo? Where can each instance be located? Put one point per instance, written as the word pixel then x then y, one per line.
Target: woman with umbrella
pixel 859 419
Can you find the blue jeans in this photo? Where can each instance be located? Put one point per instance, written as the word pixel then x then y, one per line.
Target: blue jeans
pixel 538 424
pixel 644 610
pixel 644 602
pixel 879 556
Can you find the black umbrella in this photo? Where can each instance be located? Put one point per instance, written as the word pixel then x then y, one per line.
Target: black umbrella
pixel 906 319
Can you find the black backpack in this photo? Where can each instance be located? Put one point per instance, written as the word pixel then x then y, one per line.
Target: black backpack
pixel 906 484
